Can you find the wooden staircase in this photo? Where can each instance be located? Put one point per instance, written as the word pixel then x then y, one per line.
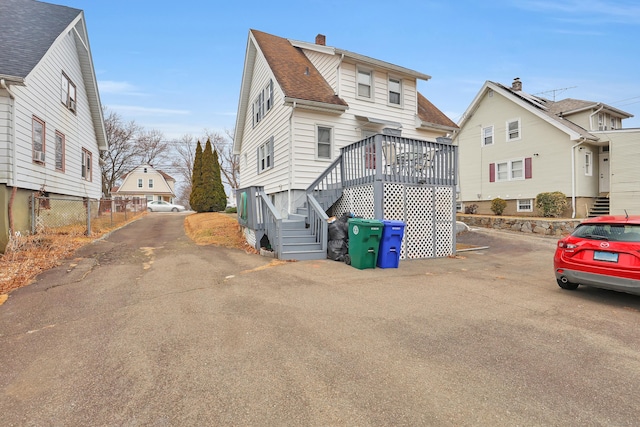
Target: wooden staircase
pixel 600 207
pixel 298 241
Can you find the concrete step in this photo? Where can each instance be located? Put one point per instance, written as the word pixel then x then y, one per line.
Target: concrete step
pixel 304 256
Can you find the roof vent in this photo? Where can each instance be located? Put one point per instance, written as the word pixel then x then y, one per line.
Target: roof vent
pixel 517 84
pixel 321 40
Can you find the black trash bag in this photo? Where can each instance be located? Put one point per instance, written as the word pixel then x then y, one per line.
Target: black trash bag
pixel 339 229
pixel 337 249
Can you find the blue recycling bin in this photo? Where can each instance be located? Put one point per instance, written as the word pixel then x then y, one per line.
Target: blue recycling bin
pixel 390 244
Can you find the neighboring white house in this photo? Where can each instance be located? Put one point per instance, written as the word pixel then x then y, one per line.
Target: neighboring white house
pixel 51 123
pixel 147 183
pixel 301 102
pixel 514 145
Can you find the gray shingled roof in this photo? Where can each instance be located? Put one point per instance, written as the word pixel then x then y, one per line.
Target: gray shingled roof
pixel 28 28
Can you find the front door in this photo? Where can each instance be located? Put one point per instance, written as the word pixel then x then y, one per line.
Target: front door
pixel 604 172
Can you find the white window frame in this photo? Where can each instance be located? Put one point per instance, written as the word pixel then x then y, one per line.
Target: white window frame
pixel 265 155
pixel 588 163
pixel 38 137
pixel 140 182
pixel 525 205
pixel 150 182
pixel 87 165
pixel 262 103
pixel 324 143
pixel 484 136
pixel 399 92
pixel 365 71
pixel 68 93
pixel 59 151
pixel 509 170
pixel 517 131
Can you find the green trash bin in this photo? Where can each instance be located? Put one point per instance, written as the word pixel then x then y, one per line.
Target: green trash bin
pixel 364 241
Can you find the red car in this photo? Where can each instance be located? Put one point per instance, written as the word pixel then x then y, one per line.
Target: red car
pixel 602 252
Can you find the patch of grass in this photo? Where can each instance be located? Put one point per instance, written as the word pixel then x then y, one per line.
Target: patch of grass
pixel 215 228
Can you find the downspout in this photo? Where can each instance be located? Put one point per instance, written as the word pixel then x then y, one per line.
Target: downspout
pixel 573 176
pixel 290 208
pixel 13 176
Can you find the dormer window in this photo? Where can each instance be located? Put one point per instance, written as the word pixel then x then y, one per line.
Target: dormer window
pixel 68 93
pixel 365 83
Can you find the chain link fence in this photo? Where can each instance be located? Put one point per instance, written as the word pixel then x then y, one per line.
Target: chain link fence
pixel 82 216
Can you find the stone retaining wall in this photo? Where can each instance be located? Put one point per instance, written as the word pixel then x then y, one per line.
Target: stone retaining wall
pixel 542 226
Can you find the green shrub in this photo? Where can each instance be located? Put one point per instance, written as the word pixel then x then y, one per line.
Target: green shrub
pixel 471 209
pixel 498 205
pixel 551 204
pixel 231 209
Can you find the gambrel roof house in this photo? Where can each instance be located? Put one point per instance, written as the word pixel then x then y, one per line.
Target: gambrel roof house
pixel 302 104
pixel 148 183
pixel 514 145
pixel 51 123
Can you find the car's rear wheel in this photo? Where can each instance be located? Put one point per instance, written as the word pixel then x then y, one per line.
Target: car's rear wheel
pixel 150 210
pixel 174 210
pixel 565 284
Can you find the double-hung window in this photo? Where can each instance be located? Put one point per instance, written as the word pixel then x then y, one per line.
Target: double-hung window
pixel 68 93
pixel 513 130
pixel 38 138
pixel 150 182
pixel 263 103
pixel 511 170
pixel 395 91
pixel 365 83
pixel 324 142
pixel 588 163
pixel 86 165
pixel 139 182
pixel 60 140
pixel 487 135
pixel 265 155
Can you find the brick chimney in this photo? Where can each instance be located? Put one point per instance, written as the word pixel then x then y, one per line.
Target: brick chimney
pixel 321 40
pixel 517 84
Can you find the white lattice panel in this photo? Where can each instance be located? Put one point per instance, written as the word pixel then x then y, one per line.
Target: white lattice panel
pixel 357 200
pixel 393 208
pixel 444 221
pixel 420 223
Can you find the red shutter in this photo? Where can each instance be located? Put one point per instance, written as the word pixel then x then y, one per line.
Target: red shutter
pixel 527 168
pixel 492 172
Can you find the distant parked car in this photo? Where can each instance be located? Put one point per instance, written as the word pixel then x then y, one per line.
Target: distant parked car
pixel 162 206
pixel 602 252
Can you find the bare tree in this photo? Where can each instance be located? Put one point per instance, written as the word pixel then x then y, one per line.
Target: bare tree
pixel 123 152
pixel 185 149
pixel 129 146
pixel 152 146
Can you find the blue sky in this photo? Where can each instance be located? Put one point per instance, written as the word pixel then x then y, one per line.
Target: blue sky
pixel 176 66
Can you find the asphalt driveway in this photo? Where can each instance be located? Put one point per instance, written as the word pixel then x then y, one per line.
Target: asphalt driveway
pixel 147 328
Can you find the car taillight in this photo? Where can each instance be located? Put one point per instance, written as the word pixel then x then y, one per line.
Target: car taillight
pixel 565 245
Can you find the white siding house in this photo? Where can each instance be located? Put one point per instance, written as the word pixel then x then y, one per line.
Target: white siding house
pixel 514 145
pixel 148 183
pixel 302 107
pixel 315 96
pixel 51 125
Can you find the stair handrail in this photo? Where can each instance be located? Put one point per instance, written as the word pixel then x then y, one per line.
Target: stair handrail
pixel 271 222
pixel 318 222
pixel 331 177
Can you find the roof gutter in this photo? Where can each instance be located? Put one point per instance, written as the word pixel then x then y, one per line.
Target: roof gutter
pixel 573 176
pixel 14 171
pixel 322 106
